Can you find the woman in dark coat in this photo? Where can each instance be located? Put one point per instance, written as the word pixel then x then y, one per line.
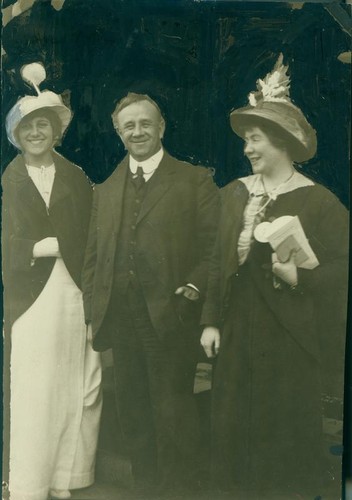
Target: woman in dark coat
pixel 55 374
pixel 263 316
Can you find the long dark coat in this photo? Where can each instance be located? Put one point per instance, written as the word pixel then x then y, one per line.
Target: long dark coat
pixel 26 220
pixel 175 233
pixel 275 344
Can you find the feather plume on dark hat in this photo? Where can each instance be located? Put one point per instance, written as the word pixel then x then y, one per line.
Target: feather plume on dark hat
pixel 271 103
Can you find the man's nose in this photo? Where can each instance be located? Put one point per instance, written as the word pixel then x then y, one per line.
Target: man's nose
pixel 137 129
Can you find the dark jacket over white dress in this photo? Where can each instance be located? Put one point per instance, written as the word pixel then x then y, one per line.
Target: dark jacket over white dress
pixel 55 374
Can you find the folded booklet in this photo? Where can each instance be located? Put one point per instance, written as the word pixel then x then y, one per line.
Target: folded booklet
pixel 286 237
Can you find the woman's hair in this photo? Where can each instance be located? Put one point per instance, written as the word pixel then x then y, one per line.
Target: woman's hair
pixel 278 137
pixel 53 119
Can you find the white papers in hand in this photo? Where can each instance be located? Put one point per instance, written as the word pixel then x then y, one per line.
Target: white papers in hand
pixel 286 236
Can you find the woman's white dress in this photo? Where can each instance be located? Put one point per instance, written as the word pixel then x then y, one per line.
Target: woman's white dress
pixel 55 387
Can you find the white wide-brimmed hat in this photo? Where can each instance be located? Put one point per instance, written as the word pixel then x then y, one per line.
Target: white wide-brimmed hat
pixel 34 74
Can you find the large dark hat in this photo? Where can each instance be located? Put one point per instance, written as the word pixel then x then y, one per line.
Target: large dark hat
pixel 271 104
pixel 34 74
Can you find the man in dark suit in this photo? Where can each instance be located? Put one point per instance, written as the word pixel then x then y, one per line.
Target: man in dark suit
pixel 152 232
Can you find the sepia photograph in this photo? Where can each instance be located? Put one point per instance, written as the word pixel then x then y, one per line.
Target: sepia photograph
pixel 175 248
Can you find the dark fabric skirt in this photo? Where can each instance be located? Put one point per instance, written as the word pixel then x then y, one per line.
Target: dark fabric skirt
pixel 266 403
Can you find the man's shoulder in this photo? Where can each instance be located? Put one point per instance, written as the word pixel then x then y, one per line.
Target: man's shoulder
pixel 237 186
pixel 187 168
pixel 114 177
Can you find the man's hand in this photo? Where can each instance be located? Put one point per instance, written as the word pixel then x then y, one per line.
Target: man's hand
pixel 48 247
pixel 287 271
pixel 210 341
pixel 188 292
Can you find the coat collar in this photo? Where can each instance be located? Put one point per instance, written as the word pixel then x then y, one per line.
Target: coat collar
pixel 17 171
pixel 160 183
pixel 234 200
pixel 18 175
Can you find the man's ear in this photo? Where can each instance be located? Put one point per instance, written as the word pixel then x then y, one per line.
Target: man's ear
pixel 161 128
pixel 119 133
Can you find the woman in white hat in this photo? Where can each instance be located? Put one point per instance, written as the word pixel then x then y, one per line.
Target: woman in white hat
pixel 269 316
pixel 55 374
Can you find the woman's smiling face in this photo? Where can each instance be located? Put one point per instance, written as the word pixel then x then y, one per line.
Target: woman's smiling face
pixel 35 135
pixel 263 155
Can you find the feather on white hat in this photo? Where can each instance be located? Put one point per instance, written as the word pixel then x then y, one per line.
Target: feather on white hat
pixel 35 74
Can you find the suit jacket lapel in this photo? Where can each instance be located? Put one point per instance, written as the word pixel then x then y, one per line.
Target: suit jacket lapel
pixel 158 185
pixel 116 192
pixel 234 205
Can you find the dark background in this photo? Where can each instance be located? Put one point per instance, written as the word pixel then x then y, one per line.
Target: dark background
pixel 198 60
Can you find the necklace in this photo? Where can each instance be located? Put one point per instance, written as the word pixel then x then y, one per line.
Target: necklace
pixel 271 195
pixel 276 188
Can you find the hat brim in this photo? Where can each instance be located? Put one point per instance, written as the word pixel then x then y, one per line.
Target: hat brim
pixel 302 142
pixel 30 104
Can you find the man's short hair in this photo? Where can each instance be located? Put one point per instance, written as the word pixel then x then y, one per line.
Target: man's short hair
pixel 132 98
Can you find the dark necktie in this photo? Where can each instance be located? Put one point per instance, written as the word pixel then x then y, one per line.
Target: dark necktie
pixel 138 178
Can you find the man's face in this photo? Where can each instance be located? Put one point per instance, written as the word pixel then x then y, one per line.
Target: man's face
pixel 141 129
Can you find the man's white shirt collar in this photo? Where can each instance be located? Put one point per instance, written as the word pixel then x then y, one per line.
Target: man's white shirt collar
pixel 149 165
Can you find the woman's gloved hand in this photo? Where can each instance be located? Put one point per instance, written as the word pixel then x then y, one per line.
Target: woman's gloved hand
pixel 286 271
pixel 48 247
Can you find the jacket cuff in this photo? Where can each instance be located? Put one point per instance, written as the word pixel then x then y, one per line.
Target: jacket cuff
pixel 22 254
pixel 210 318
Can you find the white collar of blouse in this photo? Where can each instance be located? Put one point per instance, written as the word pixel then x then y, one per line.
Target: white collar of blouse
pixel 255 186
